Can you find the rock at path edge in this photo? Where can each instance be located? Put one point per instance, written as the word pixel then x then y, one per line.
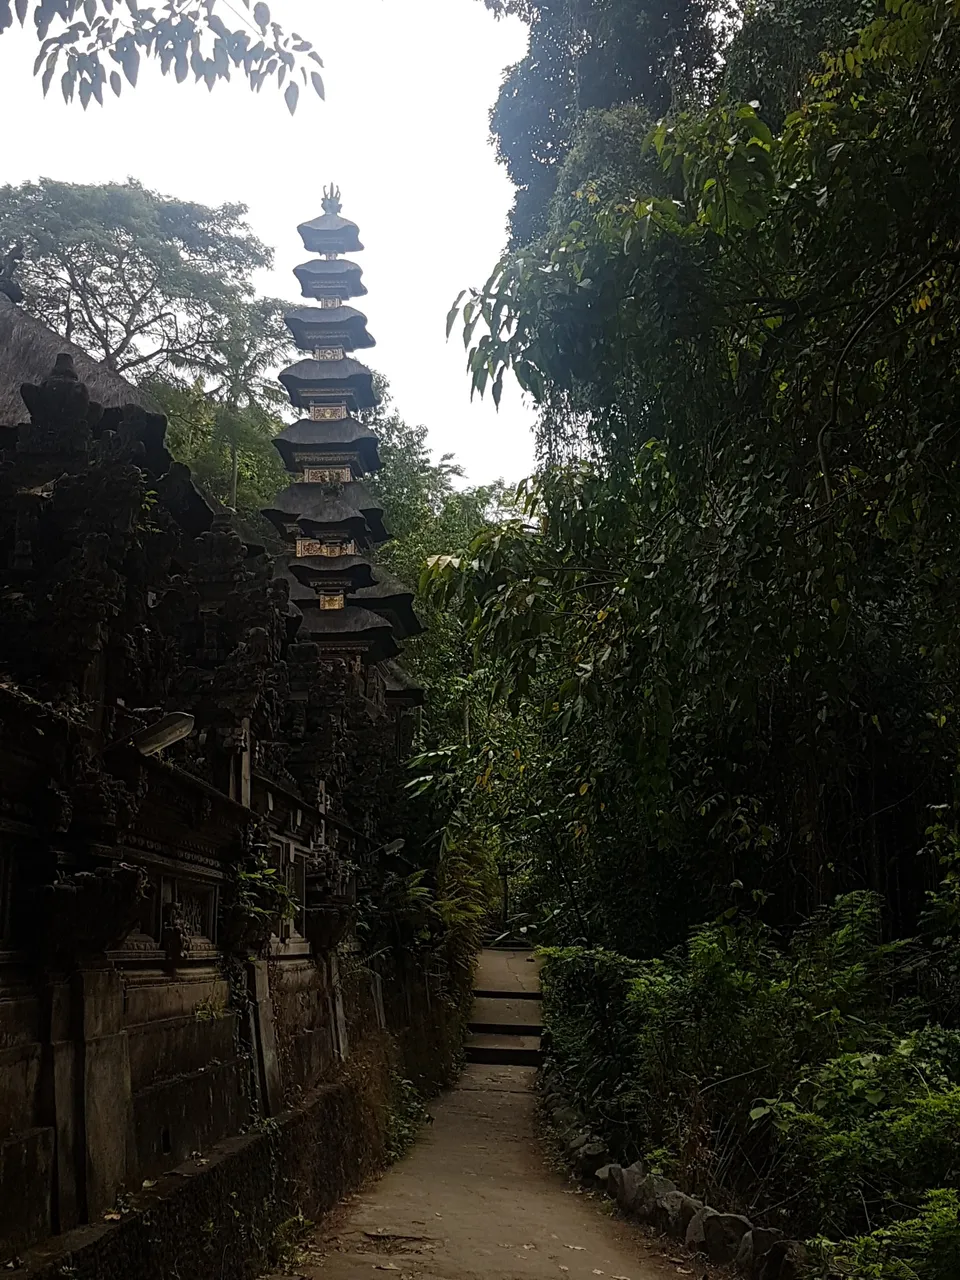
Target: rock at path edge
pixel 723 1234
pixel 624 1183
pixel 673 1212
pixel 754 1247
pixel 590 1157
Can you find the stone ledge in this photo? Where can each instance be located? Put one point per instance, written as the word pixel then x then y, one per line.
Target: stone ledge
pixel 218 1216
pixel 759 1253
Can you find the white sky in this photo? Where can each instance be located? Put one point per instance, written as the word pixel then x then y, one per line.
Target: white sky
pixel 403 131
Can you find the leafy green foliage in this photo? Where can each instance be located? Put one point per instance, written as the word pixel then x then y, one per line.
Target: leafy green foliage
pixel 723 614
pixel 187 37
pixel 246 400
pixel 584 56
pixel 778 47
pixel 735 587
pixel 926 1246
pixel 229 449
pixel 406 1116
pixel 785 1078
pixel 256 899
pixel 141 281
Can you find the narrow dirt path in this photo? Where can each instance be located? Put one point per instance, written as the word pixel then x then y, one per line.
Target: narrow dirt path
pixel 474 1199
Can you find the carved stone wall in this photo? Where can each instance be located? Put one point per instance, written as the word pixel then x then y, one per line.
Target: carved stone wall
pixel 155 999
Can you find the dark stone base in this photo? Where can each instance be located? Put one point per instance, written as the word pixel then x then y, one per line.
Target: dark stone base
pixel 218 1218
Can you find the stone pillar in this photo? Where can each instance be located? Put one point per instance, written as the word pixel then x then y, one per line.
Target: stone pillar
pixel 87 1094
pixel 59 1107
pixel 340 1040
pixel 376 990
pixel 263 1038
pixel 107 1097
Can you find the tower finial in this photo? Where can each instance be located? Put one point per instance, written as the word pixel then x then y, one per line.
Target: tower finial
pixel 331 199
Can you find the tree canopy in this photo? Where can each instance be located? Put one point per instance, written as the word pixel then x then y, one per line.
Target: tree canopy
pixel 160 290
pixel 747 378
pixel 141 281
pixel 585 56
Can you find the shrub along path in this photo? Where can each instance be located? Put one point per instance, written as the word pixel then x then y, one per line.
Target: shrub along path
pixel 474 1198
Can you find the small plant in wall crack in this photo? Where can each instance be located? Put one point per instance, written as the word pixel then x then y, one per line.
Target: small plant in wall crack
pixel 406 1117
pixel 257 900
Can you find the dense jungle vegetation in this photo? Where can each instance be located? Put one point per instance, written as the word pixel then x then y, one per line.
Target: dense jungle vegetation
pixel 709 726
pixel 692 691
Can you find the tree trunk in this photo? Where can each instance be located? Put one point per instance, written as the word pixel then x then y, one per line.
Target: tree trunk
pixel 233 474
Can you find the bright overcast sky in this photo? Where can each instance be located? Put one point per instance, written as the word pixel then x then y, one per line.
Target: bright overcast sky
pixel 403 131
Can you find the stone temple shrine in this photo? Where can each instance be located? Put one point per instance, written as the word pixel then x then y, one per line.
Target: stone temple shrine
pixel 202 803
pixel 326 516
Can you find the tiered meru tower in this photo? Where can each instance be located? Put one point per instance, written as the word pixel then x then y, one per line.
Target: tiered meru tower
pixel 350 606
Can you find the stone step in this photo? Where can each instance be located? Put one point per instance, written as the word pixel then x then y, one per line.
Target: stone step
pixel 486 994
pixel 528 1029
pixel 508 1012
pixel 504 1050
pixel 503 942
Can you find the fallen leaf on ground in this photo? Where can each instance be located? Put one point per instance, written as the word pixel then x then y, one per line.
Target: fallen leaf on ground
pixel 579 1247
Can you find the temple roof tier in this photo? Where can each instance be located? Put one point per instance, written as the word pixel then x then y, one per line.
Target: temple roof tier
pixel 343 381
pixel 344 435
pixel 330 278
pixel 318 511
pixel 330 507
pixel 330 234
pixel 400 686
pixel 347 627
pixel 310 571
pixel 393 600
pixel 314 327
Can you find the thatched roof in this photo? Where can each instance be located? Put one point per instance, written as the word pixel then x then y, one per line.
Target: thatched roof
pixel 401 688
pixel 347 626
pixel 333 437
pixel 337 381
pixel 328 327
pixel 330 234
pixel 28 350
pixel 392 600
pixel 308 570
pixel 318 504
pixel 319 510
pixel 331 276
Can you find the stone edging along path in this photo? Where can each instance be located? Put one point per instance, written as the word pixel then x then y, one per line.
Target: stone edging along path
pixel 760 1253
